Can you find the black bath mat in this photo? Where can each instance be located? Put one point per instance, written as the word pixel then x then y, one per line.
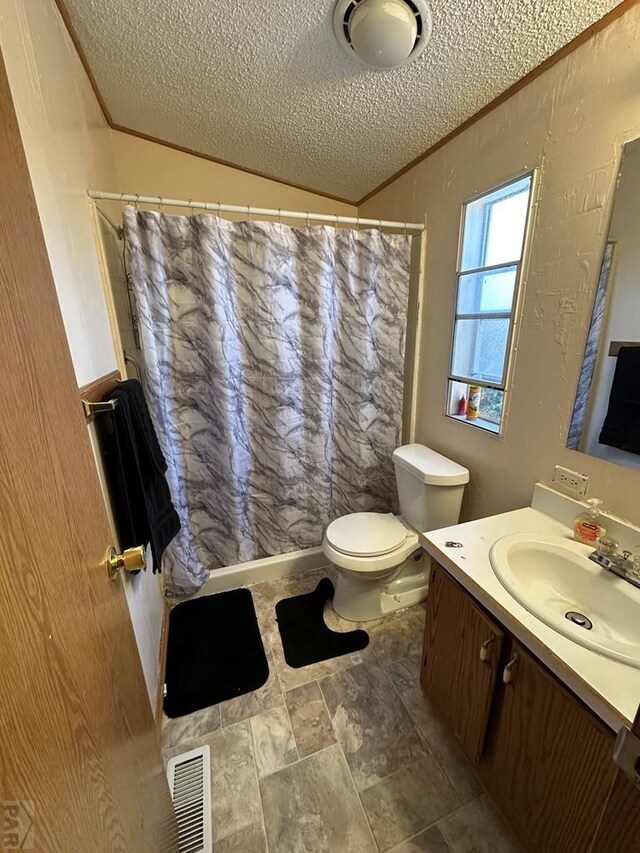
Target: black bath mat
pixel 214 652
pixel 305 637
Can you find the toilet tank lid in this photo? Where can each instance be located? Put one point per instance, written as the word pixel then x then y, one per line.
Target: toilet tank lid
pixel 430 467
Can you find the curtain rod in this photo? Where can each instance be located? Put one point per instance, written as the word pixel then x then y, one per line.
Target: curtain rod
pixel 216 207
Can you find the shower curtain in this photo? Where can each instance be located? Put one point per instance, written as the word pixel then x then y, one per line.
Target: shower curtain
pixel 274 372
pixel 590 358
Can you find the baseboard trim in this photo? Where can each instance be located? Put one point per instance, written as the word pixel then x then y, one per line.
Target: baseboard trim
pixel 266 569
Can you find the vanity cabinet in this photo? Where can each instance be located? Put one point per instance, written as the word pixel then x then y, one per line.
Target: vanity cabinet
pixel 545 758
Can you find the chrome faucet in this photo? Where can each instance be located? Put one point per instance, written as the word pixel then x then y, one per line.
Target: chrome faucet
pixel 625 565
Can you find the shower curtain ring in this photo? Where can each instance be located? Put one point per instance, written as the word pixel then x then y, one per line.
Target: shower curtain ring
pixel 357 223
pixel 279 216
pixel 307 218
pixel 136 203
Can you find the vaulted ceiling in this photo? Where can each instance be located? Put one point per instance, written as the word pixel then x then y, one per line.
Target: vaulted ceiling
pixel 263 83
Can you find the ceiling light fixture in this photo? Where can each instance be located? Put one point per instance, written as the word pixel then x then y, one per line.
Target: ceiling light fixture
pixel 383 33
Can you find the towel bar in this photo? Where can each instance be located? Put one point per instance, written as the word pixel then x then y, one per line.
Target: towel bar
pixel 91 408
pixel 615 346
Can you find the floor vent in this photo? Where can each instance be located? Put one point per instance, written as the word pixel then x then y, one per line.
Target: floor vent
pixel 189 777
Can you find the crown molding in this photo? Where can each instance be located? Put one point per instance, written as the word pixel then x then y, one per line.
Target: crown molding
pixel 121 129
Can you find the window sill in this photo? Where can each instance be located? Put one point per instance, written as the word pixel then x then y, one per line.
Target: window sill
pixel 478 423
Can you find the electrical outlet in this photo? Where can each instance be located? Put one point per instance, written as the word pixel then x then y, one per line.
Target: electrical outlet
pixel 571 481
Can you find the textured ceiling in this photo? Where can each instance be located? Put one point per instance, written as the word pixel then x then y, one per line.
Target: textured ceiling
pixel 265 85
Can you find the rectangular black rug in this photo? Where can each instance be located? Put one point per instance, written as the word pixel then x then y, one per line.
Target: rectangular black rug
pixel 305 636
pixel 214 652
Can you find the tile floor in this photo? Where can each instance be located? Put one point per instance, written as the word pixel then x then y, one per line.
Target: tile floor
pixel 345 756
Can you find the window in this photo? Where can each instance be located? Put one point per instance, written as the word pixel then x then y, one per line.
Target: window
pixel 489 269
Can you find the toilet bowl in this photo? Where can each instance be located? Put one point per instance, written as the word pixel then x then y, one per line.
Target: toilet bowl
pixel 381 566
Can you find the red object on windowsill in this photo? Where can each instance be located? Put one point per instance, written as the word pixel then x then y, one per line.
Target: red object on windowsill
pixel 462 406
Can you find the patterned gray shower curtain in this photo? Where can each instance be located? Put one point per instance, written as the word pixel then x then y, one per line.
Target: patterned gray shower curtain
pixel 589 361
pixel 274 371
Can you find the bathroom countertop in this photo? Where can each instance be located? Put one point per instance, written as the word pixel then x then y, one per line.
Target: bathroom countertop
pixel 610 688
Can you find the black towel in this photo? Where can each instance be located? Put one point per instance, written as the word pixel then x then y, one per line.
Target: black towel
pixel 621 426
pixel 136 469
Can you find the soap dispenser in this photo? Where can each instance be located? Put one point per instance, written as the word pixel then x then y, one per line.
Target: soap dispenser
pixel 587 525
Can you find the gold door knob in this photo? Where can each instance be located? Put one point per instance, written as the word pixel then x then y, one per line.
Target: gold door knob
pixel 131 560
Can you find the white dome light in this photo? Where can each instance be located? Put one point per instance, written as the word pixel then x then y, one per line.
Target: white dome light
pixel 383 33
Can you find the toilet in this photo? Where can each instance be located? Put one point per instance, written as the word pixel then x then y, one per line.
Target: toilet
pixel 381 566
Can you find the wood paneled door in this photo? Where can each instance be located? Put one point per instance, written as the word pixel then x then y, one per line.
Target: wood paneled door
pixel 80 766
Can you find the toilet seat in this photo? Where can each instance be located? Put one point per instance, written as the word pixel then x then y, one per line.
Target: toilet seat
pixel 366 534
pixel 376 533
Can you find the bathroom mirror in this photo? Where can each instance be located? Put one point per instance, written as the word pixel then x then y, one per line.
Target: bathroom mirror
pixel 606 414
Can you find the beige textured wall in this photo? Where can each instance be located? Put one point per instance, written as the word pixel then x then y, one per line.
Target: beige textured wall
pixel 571 124
pixel 147 168
pixel 68 147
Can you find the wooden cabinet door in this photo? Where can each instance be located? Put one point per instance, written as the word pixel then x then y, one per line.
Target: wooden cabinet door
pixel 619 827
pixel 461 657
pixel 548 760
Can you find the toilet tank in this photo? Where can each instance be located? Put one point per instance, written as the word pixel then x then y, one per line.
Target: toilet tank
pixel 430 487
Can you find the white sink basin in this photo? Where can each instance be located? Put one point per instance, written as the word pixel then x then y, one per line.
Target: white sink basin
pixel 553 577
